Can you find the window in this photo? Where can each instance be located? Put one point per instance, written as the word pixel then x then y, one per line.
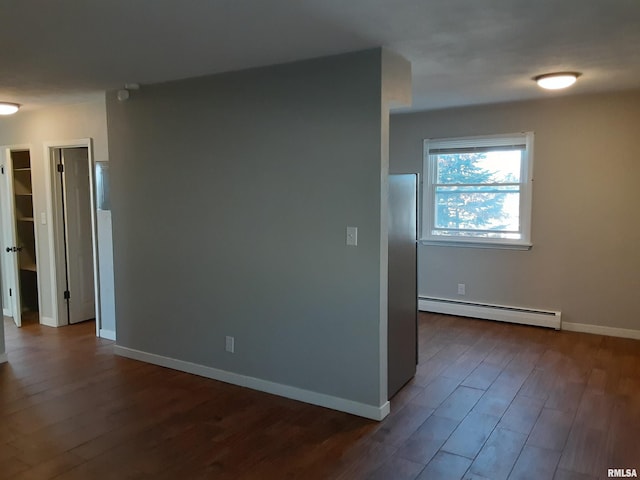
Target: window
pixel 477 191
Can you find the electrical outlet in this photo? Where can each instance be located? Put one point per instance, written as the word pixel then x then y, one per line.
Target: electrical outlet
pixel 352 236
pixel 461 289
pixel 230 344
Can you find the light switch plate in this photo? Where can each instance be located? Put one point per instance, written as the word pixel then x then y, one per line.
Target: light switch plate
pixel 352 236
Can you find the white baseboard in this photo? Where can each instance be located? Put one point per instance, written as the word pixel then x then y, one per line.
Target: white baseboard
pixel 6 312
pixel 501 313
pixel 48 321
pixel 600 330
pixel 3 358
pixel 335 403
pixel 107 334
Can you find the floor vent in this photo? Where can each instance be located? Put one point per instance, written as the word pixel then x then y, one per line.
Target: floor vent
pixel 502 313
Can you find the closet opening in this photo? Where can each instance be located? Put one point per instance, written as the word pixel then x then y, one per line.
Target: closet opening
pixel 19 267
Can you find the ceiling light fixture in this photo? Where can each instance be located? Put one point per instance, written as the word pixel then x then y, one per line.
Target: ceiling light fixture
pixel 8 108
pixel 556 81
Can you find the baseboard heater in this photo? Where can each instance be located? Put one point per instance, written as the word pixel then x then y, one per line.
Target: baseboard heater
pixel 501 313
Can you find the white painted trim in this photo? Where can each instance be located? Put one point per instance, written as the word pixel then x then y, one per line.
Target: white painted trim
pixel 526 188
pixel 3 358
pixel 471 244
pixel 107 334
pixel 501 313
pixel 601 330
pixel 307 396
pixel 53 281
pixel 97 298
pixel 7 312
pixel 48 322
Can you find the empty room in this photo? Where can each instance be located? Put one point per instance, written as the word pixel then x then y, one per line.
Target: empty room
pixel 319 240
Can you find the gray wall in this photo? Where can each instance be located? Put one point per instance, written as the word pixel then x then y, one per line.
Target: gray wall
pixel 231 195
pixel 586 193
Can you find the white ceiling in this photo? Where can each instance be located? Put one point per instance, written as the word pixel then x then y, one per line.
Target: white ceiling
pixel 463 51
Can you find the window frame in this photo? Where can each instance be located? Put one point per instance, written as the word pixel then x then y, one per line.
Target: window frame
pixel 525 185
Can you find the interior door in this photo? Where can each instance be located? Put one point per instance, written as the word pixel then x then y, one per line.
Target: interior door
pixel 77 219
pixel 10 248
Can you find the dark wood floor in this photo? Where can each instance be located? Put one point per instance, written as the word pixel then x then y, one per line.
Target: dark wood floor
pixel 490 401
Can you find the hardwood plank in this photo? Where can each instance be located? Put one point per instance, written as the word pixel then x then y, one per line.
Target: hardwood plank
pixel 363 461
pixel 7 451
pixel 538 385
pixel 436 392
pixel 474 476
pixel 405 395
pixel 427 440
pixel 52 468
pixel 471 434
pixel 445 466
pixel 595 410
pixel 585 452
pixel 427 371
pixel 462 368
pixel 535 463
pixel 494 404
pixel 398 469
pixel 623 447
pixel 568 475
pixel 510 380
pixel 521 415
pixel 401 425
pixel 11 467
pixel 551 429
pixel 482 377
pixel 501 355
pixel 457 405
pixel 565 395
pixel 498 455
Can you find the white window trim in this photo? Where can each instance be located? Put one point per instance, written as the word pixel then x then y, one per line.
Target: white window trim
pixel 526 188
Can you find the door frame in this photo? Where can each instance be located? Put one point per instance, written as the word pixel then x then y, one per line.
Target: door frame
pixel 56 247
pixel 8 222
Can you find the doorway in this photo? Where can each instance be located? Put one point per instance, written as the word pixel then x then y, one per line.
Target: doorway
pixel 73 222
pixel 20 293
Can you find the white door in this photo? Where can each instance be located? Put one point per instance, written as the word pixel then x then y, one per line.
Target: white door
pixel 10 247
pixel 6 261
pixel 77 219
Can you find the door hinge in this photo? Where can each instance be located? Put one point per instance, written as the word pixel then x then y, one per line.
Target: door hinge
pixel 67 296
pixel 60 167
pixel 10 293
pixel 2 168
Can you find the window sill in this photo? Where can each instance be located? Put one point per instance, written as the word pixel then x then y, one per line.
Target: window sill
pixel 472 244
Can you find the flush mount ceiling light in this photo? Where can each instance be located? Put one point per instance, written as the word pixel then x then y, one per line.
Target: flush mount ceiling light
pixel 8 108
pixel 557 81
